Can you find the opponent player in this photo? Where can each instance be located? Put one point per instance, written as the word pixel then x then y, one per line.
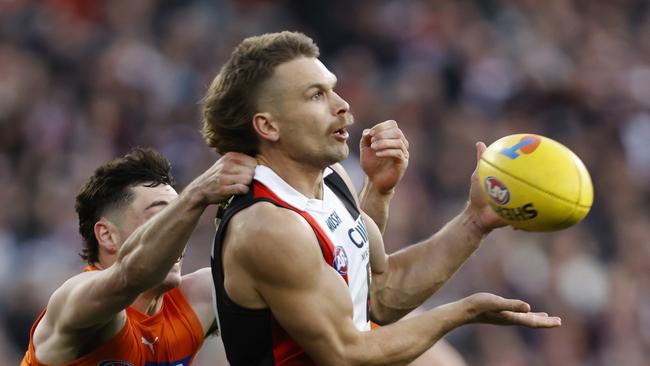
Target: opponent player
pixel 131 306
pixel 299 270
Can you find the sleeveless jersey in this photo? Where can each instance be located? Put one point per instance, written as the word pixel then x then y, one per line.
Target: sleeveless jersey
pixel 254 337
pixel 171 337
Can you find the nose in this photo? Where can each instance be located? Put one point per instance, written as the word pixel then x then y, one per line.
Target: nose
pixel 339 105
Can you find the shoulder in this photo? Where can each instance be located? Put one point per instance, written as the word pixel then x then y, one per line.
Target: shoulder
pixel 64 297
pixel 265 237
pixel 340 170
pixel 197 283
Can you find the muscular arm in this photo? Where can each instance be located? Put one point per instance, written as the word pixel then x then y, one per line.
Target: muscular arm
pixel 403 280
pixel 311 300
pixel 144 260
pixel 94 298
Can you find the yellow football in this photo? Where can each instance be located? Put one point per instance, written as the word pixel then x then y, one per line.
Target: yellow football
pixel 535 183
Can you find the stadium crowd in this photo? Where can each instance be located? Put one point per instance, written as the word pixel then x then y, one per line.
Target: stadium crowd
pixel 83 81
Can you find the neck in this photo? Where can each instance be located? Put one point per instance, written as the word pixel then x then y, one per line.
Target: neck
pixel 150 302
pixel 304 178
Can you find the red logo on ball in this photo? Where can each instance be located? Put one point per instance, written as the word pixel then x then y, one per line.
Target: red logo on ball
pixel 497 190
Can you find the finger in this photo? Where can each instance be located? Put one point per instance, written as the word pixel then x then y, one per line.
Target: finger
pixel 480 149
pixel 240 159
pixel 366 138
pixel 232 179
pixel 234 189
pixel 532 320
pixel 392 153
pixel 512 305
pixel 391 133
pixel 389 124
pixel 388 144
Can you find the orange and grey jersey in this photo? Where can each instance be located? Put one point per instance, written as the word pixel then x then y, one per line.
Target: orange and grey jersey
pixel 172 336
pixel 254 337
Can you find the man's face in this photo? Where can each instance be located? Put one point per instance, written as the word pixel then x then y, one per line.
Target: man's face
pixel 147 202
pixel 311 117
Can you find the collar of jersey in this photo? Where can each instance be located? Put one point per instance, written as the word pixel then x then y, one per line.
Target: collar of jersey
pixel 287 193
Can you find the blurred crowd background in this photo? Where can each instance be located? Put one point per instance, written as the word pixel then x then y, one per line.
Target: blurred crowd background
pixel 81 82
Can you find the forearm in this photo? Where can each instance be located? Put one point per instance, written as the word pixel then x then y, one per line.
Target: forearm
pixel 149 253
pixel 402 342
pixel 375 204
pixel 418 271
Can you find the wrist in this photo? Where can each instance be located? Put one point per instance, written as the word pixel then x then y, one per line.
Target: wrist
pixel 195 197
pixel 371 188
pixel 471 221
pixel 454 314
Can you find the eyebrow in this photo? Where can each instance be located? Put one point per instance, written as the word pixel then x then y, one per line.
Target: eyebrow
pixel 157 203
pixel 322 85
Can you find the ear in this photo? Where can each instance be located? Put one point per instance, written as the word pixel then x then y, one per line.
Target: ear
pixel 266 127
pixel 108 236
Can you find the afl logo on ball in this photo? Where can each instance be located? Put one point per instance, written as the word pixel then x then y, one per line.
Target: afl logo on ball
pixel 497 190
pixel 340 262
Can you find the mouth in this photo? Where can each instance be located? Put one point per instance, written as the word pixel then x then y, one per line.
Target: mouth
pixel 341 134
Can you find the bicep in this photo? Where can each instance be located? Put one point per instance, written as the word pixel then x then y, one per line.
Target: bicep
pixel 308 298
pixel 90 299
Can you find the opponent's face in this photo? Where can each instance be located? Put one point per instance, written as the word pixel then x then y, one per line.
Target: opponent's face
pixel 147 202
pixel 311 117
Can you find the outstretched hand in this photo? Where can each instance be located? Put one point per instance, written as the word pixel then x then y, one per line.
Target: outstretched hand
pixel 384 155
pixel 492 309
pixel 486 218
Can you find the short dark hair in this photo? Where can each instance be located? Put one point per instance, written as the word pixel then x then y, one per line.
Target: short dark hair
pixel 110 187
pixel 231 101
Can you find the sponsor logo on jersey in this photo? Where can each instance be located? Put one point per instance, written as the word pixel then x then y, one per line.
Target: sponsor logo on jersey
pixel 526 145
pixel 358 234
pixel 497 190
pixel 340 262
pixel 184 362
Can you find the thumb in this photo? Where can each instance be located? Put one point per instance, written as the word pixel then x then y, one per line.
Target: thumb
pixel 365 139
pixel 480 149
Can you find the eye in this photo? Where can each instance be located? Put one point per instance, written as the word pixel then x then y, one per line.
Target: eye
pixel 318 96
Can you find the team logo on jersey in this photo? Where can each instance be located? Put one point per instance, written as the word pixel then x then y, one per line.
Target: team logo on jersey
pixel 526 145
pixel 340 262
pixel 114 363
pixel 497 190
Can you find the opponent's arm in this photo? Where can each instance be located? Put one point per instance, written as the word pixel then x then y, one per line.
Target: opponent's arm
pixel 405 279
pixel 146 257
pixel 312 302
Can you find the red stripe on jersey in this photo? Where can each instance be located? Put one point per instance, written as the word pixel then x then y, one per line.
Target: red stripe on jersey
pixel 285 350
pixel 260 190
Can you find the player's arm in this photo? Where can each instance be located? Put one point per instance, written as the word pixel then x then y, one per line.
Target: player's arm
pixel 312 303
pixel 197 288
pixel 405 279
pixel 146 257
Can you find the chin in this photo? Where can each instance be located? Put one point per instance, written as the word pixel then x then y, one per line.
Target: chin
pixel 173 278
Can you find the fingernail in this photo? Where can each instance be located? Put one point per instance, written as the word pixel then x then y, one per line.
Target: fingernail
pixel 365 132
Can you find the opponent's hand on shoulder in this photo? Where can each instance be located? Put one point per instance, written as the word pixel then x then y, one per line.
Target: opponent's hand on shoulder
pixel 230 175
pixel 492 309
pixel 384 155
